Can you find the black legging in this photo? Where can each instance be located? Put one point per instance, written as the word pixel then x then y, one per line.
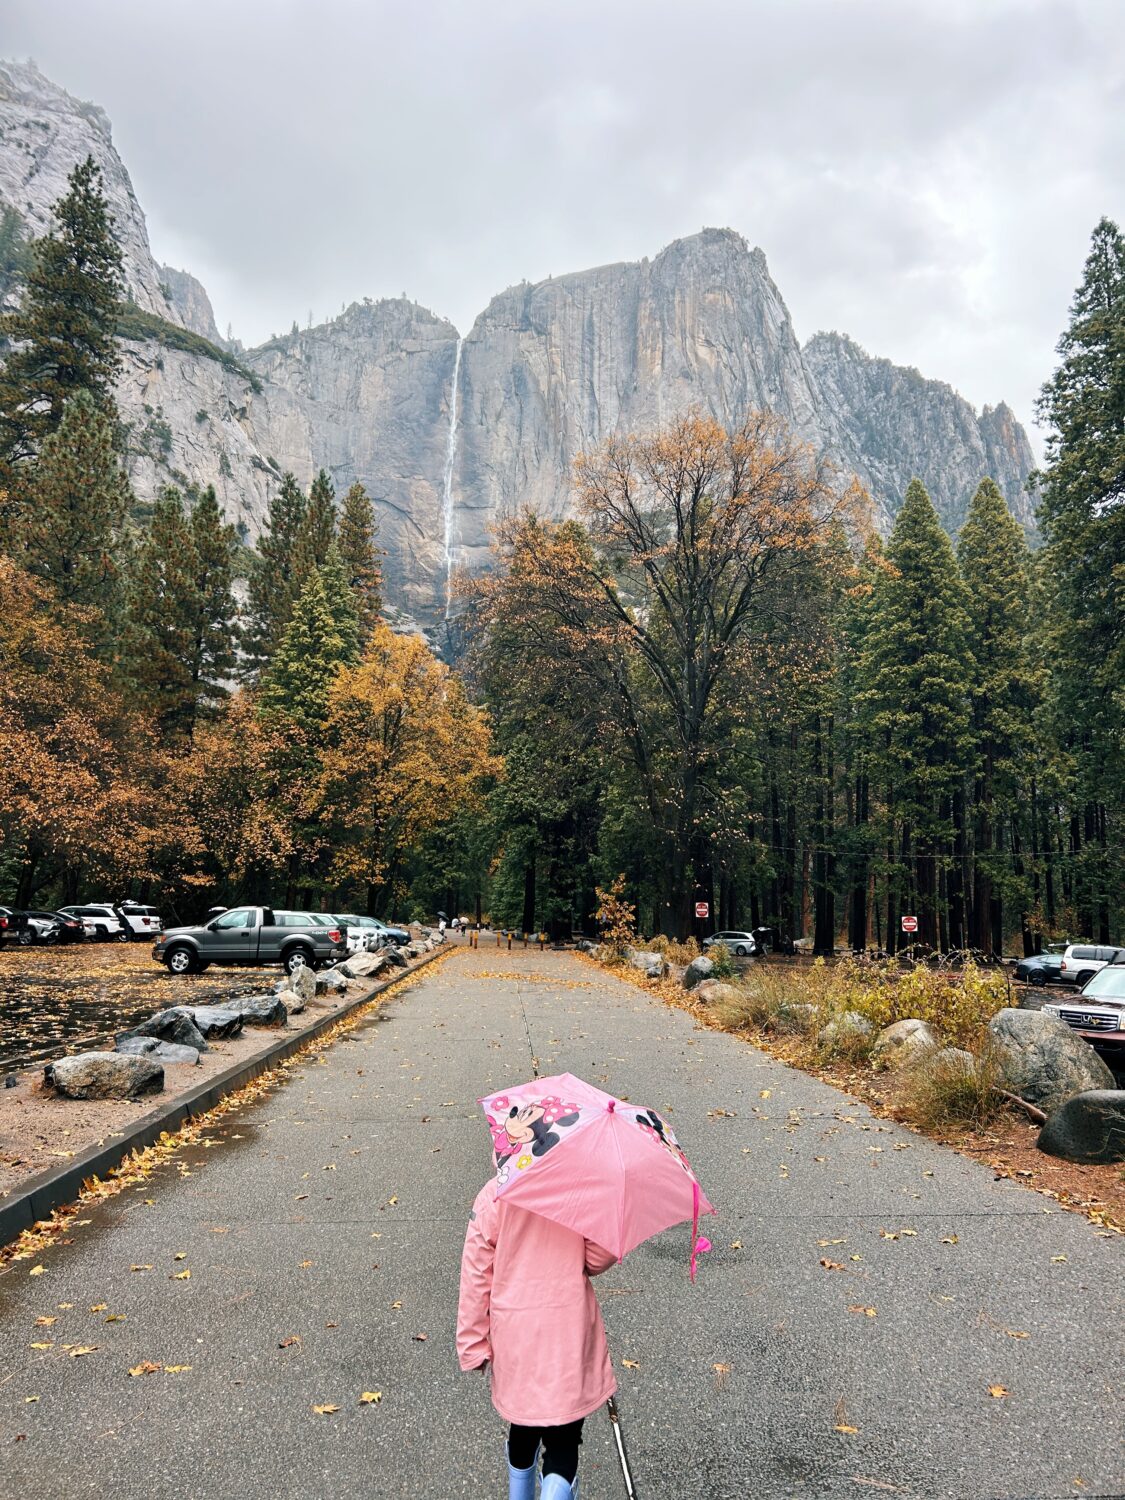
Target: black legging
pixel 560 1448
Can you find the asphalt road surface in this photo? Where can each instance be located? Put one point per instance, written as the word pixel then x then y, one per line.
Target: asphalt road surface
pixel 865 1291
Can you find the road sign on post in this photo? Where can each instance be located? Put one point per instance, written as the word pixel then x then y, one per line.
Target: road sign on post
pixel 702 909
pixel 910 924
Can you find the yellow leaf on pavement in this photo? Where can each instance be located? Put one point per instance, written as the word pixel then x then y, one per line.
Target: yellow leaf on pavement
pixel 370 1398
pixel 998 1391
pixel 175 1369
pixel 631 1364
pixel 843 1427
pixel 80 1349
pixel 326 1410
pixel 180 1276
pixel 36 1271
pixel 146 1367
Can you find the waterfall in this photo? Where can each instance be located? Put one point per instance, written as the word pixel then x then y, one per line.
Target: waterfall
pixel 447 482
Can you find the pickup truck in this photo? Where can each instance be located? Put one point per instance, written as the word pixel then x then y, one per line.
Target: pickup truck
pixel 250 936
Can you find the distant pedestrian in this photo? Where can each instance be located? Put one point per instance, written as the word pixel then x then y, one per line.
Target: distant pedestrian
pixel 441 926
pixel 547 1354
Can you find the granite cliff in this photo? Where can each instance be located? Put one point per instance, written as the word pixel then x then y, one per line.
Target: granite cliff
pixel 448 434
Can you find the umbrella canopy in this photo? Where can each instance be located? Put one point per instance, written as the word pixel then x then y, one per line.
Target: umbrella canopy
pixel 610 1170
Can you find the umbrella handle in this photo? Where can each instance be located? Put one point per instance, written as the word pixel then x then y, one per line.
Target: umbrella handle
pixel 619 1439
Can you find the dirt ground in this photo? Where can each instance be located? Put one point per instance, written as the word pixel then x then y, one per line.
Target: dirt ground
pixel 90 991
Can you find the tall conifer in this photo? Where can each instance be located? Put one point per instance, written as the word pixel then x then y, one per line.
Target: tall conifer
pixel 356 540
pixel 273 587
pixel 318 528
pixel 342 604
pixel 298 679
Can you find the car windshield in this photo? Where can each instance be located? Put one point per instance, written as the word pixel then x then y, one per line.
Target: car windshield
pixel 1108 984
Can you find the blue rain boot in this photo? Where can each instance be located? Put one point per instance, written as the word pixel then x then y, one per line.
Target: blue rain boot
pixel 555 1487
pixel 521 1482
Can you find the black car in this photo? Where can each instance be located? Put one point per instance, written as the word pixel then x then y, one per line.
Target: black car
pixel 12 923
pixel 71 929
pixel 1040 968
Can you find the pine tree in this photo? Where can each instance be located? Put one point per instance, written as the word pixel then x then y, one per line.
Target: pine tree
pixel 156 645
pixel 915 672
pixel 356 540
pixel 273 588
pixel 993 557
pixel 296 685
pixel 214 620
pixel 342 604
pixel 1082 513
pixel 72 534
pixel 318 528
pixel 61 339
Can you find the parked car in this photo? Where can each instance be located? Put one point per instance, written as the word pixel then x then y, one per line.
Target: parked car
pixel 101 922
pixel 250 936
pixel 1098 1013
pixel 12 923
pixel 1081 961
pixel 1040 968
pixel 139 921
pixel 741 944
pixel 39 930
pixel 355 934
pixel 396 935
pixel 70 929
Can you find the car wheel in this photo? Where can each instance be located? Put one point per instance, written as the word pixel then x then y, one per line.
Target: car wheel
pixel 742 951
pixel 26 938
pixel 1085 977
pixel 121 937
pixel 181 960
pixel 298 958
pixel 1037 976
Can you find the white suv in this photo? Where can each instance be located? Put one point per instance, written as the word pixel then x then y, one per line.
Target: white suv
pixel 1081 961
pixel 101 922
pixel 140 921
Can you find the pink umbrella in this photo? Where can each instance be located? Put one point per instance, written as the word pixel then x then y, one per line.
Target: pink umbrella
pixel 612 1171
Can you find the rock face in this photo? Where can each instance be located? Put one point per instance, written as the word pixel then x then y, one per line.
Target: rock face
pixel 1089 1127
pixel 547 371
pixel 1044 1061
pixel 104 1075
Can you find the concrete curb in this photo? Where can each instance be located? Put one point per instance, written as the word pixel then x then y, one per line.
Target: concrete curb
pixel 40 1195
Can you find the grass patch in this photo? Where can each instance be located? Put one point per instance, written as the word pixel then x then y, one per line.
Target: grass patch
pixel 952 1092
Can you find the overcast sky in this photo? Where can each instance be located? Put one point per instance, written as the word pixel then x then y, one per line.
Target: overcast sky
pixel 922 175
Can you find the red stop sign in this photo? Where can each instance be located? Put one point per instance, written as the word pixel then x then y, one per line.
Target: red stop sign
pixel 702 909
pixel 910 924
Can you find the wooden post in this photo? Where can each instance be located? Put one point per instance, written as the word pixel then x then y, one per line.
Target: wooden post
pixel 509 942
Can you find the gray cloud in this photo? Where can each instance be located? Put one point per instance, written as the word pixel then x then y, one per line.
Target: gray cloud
pixel 924 177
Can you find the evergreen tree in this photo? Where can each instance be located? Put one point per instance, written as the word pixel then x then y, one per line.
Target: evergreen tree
pixel 318 529
pixel 342 603
pixel 1082 513
pixel 214 619
pixel 356 540
pixel 73 532
pixel 297 683
pixel 993 556
pixel 273 586
pixel 915 673
pixel 61 339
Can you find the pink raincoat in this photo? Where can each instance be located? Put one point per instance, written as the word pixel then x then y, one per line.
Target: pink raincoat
pixel 528 1306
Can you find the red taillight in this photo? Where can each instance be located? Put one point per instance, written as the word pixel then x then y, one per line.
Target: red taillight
pixel 1062 966
pixel 3 922
pixel 334 935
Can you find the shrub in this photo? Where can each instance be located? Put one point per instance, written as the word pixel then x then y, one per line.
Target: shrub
pixel 722 962
pixel 674 952
pixel 616 918
pixel 952 1091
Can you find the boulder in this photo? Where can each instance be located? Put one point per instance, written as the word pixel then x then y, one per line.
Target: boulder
pixel 1044 1061
pixel 948 1057
pixel 104 1075
pixel 697 971
pixel 259 1010
pixel 172 1025
pixel 845 1027
pixel 651 964
pixel 362 965
pixel 302 982
pixel 165 1052
pixel 714 991
pixel 331 982
pixel 902 1043
pixel 1087 1127
pixel 396 957
pixel 214 1021
pixel 584 945
pixel 793 1015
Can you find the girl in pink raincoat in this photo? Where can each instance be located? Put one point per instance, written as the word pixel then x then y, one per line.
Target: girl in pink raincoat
pixel 527 1309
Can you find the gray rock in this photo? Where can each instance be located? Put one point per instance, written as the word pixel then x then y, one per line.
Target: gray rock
pixel 175 1024
pixel 363 965
pixel 214 1021
pixel 396 957
pixel 259 1010
pixel 331 982
pixel 302 982
pixel 1087 1127
pixel 947 1057
pixel 1044 1061
pixel 697 971
pixel 651 964
pixel 712 991
pixel 11 1081
pixel 842 1028
pixel 902 1043
pixel 104 1075
pixel 165 1052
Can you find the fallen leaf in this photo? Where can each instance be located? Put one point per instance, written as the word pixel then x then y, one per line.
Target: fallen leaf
pixel 180 1276
pixel 325 1410
pixel 370 1398
pixel 29 1399
pixel 999 1391
pixel 294 1338
pixel 175 1369
pixel 832 1242
pixel 1016 1333
pixel 146 1367
pixel 843 1427
pixel 763 1093
pixel 420 1338
pixel 856 1257
pixel 41 1346
pixel 140 1268
pixel 304 1264
pixel 858 1307
pixel 950 1239
pixel 37 1270
pixel 392 1201
pixel 45 1322
pixel 736 1244
pixel 80 1349
pixel 99 1307
pixel 831 1265
pixel 396 1305
pixel 631 1364
pixel 1055 1260
pixel 116 1318
pixel 180 1255
pixel 910 1233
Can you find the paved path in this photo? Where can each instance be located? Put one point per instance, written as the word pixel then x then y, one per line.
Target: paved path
pixel 332 1211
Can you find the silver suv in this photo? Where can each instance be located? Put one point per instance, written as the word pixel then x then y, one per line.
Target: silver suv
pixel 1081 961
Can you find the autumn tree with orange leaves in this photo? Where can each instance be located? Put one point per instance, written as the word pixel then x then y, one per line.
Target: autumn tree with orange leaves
pixel 693 542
